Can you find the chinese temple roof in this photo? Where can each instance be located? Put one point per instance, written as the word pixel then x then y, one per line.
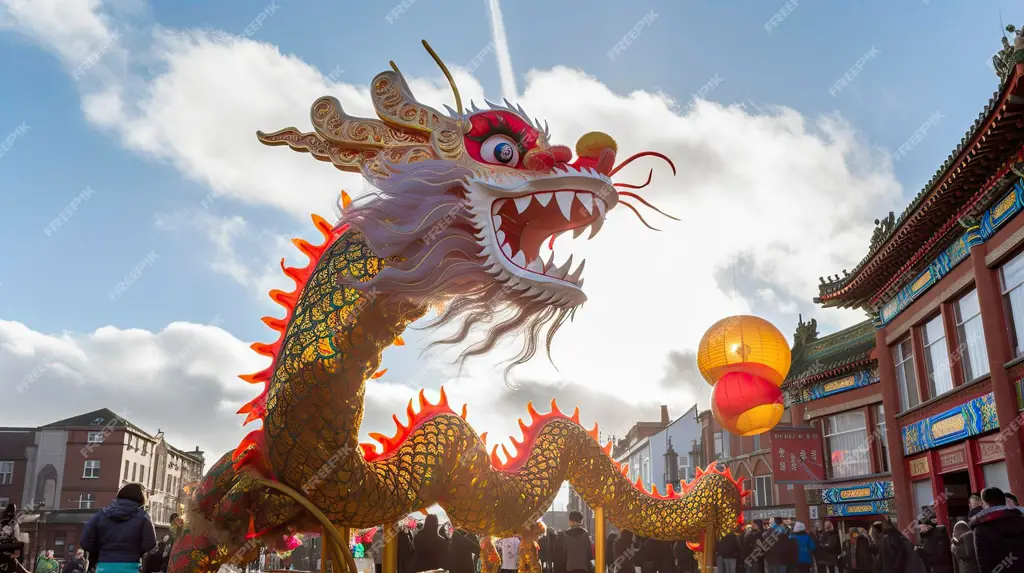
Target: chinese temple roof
pixel 818 358
pixel 961 188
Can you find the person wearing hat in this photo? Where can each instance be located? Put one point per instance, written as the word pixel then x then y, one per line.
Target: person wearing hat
pixel 120 534
pixel 935 545
pixel 805 547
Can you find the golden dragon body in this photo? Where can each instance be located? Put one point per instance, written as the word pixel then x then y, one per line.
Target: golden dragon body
pixel 465 202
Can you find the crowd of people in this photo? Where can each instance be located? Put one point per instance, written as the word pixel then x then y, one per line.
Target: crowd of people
pixel 120 538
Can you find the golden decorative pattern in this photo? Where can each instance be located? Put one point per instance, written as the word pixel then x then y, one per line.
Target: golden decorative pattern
pixel 333 124
pixel 948 426
pixel 919 466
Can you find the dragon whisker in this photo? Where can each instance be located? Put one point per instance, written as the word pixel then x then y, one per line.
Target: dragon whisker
pixel 644 201
pixel 639 216
pixel 629 160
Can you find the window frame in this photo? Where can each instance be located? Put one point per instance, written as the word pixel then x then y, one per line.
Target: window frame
pixel 963 348
pixel 932 371
pixel 90 438
pixel 91 464
pixel 768 491
pixel 90 501
pixel 827 433
pixel 6 477
pixel 904 386
pixel 1016 340
pixel 884 455
pixel 719 445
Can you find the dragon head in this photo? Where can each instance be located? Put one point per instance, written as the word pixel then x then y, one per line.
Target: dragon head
pixel 463 203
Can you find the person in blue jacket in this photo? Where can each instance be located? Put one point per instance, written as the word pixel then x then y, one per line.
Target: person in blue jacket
pixel 805 547
pixel 120 534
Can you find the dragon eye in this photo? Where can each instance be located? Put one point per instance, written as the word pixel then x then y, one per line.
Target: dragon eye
pixel 500 150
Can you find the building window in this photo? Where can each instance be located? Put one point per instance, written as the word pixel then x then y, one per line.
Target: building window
pixel 142 474
pixel 846 438
pixel 684 467
pixel 757 442
pixel 726 445
pixel 763 491
pixel 1011 278
pixel 718 445
pixel 906 378
pixel 970 336
pixel 92 469
pixel 882 439
pixel 86 500
pixel 95 438
pixel 646 475
pixel 135 472
pixel 6 473
pixel 936 357
pixel 5 501
pixel 126 464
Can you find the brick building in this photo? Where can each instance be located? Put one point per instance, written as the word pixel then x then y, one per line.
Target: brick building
pixel 943 284
pixel 748 458
pixel 63 472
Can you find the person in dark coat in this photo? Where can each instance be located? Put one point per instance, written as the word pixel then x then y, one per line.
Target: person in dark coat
pixel 431 548
pixel 896 553
pixel 934 546
pixel 728 553
pixel 406 552
pixel 153 561
pixel 77 564
pixel 828 550
pixel 778 553
pixel 10 541
pixel 624 553
pixel 579 549
pixel 963 549
pixel 120 534
pixel 464 546
pixel 685 562
pixel 859 557
pixel 609 549
pixel 558 551
pixel 998 534
pixel 546 543
pixel 751 558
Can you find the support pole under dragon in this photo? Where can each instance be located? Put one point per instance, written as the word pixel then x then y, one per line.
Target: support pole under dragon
pixel 599 534
pixel 389 561
pixel 346 537
pixel 324 554
pixel 708 555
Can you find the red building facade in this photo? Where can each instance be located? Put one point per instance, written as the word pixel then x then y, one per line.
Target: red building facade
pixel 63 472
pixel 833 387
pixel 943 283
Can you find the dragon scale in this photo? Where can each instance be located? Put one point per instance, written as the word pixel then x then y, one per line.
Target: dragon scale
pixel 450 205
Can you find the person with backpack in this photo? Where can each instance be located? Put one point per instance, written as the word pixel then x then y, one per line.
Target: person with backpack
pixel 803 548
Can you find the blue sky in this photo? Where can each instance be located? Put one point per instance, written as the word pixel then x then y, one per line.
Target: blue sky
pixel 781 142
pixel 932 58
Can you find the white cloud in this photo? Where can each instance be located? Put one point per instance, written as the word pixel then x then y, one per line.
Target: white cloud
pixel 783 197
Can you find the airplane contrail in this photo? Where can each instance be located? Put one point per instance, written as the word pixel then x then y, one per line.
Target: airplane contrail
pixel 500 40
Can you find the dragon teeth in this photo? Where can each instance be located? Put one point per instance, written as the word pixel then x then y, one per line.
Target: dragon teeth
pixel 507 250
pixel 578 231
pixel 561 271
pixel 564 199
pixel 587 200
pixel 601 207
pixel 544 198
pixel 522 203
pixel 496 219
pixel 595 227
pixel 519 259
pixel 501 237
pixel 536 266
pixel 575 276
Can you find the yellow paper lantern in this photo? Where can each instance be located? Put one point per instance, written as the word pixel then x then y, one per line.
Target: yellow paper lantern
pixel 744 344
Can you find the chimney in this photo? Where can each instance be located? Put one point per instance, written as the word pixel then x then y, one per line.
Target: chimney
pixel 664 415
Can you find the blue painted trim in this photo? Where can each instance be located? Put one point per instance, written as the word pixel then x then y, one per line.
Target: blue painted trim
pixel 959 423
pixel 882 507
pixel 995 217
pixel 876 490
pixel 823 389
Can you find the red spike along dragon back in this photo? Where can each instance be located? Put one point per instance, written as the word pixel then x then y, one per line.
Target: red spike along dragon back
pixel 464 201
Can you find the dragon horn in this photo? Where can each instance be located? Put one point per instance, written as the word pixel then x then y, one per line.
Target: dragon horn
pixel 447 74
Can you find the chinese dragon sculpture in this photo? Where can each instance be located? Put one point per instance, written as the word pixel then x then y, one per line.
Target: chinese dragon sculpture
pixel 464 202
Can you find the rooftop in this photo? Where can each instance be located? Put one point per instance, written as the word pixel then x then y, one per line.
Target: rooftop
pixel 970 178
pixel 818 358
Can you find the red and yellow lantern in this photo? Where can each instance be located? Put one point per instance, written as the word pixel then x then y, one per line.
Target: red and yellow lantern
pixel 745 359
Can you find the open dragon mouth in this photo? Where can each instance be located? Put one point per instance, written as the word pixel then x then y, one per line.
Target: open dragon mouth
pixel 522 224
